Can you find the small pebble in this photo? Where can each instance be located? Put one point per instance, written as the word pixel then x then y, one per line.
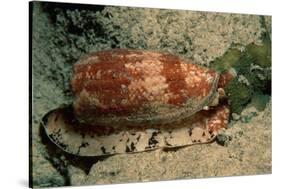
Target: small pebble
pixel 235 116
pixel 223 139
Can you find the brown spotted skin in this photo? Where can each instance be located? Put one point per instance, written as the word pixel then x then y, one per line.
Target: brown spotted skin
pixel 80 139
pixel 136 87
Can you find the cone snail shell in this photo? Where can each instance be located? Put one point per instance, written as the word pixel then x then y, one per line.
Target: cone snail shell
pixel 130 101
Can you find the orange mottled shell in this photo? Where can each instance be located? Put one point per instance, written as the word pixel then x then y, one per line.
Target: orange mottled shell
pixel 136 87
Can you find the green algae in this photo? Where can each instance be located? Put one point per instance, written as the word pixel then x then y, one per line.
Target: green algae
pixel 260 53
pixel 259 101
pixel 239 95
pixel 228 60
pixel 253 67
